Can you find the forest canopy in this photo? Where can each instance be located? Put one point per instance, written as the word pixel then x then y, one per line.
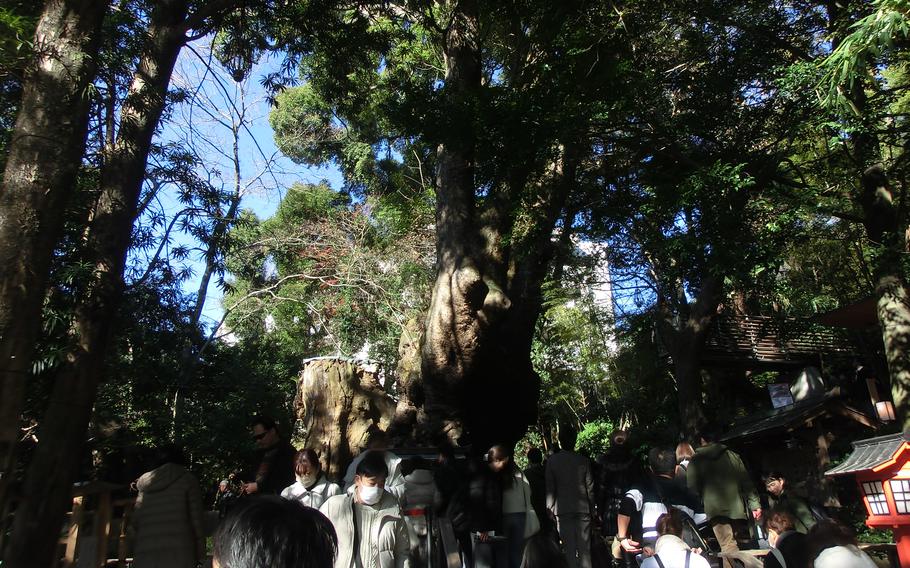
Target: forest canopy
pixel 524 216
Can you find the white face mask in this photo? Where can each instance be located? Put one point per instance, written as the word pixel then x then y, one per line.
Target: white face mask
pixel 370 495
pixel 308 480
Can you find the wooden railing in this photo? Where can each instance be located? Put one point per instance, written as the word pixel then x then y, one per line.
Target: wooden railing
pixel 102 518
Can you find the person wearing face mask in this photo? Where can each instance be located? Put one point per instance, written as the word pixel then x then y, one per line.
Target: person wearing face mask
pixel 312 488
pixel 371 530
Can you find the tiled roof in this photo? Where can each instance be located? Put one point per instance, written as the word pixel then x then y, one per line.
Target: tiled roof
pixel 869 453
pixel 792 415
pixel 771 340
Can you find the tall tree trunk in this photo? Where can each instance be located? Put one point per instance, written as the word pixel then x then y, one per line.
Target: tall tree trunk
pixel 48 486
pixel 685 342
pixel 44 158
pixel 454 326
pixel 893 304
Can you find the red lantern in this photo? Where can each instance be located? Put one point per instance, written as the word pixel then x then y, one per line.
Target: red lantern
pixel 882 469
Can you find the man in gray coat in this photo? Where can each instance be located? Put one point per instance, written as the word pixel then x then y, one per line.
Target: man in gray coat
pixel 570 494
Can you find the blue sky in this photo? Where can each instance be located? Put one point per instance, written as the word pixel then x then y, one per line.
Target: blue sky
pixel 265 173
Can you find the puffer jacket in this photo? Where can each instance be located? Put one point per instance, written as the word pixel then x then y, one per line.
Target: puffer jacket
pixel 388 533
pixel 719 476
pixel 313 497
pixel 168 521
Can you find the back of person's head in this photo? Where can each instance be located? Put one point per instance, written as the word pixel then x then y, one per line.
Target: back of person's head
pixel 662 461
pixel 169 453
pixel 827 534
pixel 535 456
pixel 542 551
pixel 268 531
pixel 779 520
pixel 670 522
pixel 619 438
pixel 684 451
pixel 710 432
pixel 267 422
pixel 373 465
pixel 567 438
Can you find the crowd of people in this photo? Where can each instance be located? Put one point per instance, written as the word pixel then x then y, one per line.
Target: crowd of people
pixel 564 512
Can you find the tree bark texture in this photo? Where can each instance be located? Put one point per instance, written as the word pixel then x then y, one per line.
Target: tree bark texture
pixel 48 485
pixel 685 342
pixel 893 301
pixel 454 328
pixel 339 404
pixel 479 384
pixel 41 168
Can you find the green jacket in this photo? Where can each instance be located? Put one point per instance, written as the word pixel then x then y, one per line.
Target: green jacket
pixel 719 476
pixel 796 506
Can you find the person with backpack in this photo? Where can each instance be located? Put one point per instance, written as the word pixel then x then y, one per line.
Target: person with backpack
pixel 671 551
pixel 618 470
pixel 645 503
pixel 312 488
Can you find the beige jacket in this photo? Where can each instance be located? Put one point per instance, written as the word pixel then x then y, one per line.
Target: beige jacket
pixel 389 532
pixel 167 524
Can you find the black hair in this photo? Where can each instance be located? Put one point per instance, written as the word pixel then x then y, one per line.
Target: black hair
pixel 169 453
pixel 542 551
pixel 827 533
pixel 662 460
pixel 266 422
pixel 535 456
pixel 710 432
pixel 568 436
pixel 275 532
pixel 507 474
pixel 773 474
pixel 373 465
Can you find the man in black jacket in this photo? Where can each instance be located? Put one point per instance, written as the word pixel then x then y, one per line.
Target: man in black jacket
pixel 275 469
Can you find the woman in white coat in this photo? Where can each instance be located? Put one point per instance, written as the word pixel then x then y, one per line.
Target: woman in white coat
pixel 312 488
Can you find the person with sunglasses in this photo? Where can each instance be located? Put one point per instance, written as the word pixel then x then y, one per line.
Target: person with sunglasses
pixel 274 466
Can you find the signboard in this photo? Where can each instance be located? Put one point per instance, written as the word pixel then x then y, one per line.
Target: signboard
pixel 780 395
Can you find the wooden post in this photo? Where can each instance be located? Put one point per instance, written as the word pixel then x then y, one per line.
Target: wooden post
pixel 69 558
pixel 124 524
pixel 103 526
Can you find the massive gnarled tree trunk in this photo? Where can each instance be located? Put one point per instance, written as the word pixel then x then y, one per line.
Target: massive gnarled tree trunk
pixel 48 484
pixel 476 367
pixel 44 157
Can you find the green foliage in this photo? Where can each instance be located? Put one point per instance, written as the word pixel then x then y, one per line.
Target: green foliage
pixel 324 276
pixel 594 438
pixel 874 37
